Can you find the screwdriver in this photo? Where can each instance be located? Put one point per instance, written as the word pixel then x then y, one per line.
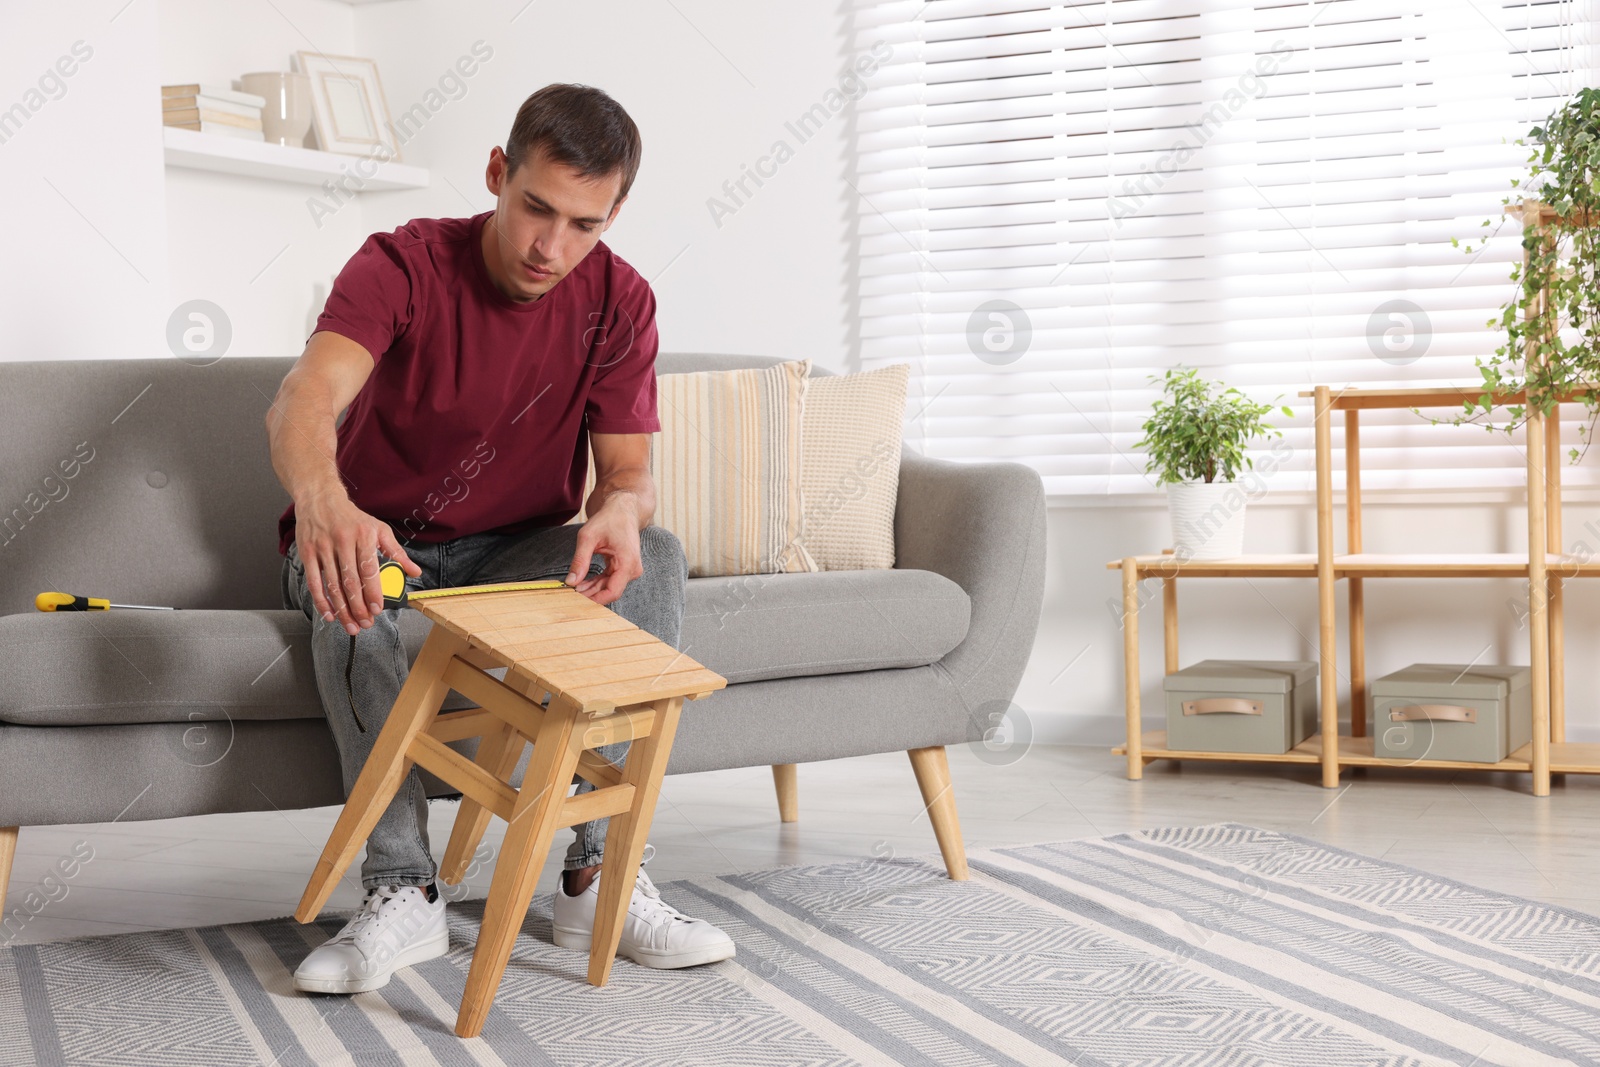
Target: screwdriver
pixel 70 602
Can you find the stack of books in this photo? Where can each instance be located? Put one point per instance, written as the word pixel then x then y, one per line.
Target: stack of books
pixel 212 109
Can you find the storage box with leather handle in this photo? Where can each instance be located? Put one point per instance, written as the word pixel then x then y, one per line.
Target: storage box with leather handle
pixel 1221 705
pixel 1469 712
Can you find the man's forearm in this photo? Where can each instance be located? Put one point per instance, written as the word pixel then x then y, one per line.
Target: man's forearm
pixel 632 480
pixel 303 441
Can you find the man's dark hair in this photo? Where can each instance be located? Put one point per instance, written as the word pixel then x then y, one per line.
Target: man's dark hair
pixel 578 126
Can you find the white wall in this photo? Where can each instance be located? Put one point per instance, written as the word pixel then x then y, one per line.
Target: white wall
pixel 710 84
pixel 249 245
pixel 771 279
pixel 83 274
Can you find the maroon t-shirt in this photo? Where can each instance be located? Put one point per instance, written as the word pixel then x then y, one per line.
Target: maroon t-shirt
pixel 477 413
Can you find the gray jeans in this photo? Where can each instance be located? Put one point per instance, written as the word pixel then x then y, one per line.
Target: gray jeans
pixel 360 677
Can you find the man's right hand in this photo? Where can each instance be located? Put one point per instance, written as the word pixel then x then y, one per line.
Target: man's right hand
pixel 338 544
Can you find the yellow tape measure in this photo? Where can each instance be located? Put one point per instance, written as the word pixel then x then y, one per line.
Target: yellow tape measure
pixel 393 579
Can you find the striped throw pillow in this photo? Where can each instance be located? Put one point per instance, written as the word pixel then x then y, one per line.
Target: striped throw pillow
pixel 727 468
pixel 850 439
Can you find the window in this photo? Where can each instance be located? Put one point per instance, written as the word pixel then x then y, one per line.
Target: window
pixel 1057 201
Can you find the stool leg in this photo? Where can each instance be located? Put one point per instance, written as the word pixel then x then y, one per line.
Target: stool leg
pixel 414 710
pixel 646 765
pixel 528 837
pixel 498 754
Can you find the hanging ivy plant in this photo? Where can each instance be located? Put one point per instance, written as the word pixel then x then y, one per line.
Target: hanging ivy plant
pixel 1563 261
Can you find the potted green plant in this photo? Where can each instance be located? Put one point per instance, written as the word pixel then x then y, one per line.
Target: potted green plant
pixel 1195 439
pixel 1552 321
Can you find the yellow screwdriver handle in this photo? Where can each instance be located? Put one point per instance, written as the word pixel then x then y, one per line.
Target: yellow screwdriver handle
pixel 68 602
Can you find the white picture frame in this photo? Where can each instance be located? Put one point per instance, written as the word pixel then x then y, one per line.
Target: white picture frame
pixel 348 111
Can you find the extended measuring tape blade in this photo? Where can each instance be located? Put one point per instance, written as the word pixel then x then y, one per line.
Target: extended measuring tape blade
pixel 395 595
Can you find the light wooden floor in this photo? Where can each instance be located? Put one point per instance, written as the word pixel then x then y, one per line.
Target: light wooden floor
pixel 1471 826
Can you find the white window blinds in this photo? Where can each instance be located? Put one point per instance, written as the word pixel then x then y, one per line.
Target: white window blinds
pixel 1266 192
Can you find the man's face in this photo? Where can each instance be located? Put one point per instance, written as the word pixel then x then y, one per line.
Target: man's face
pixel 547 219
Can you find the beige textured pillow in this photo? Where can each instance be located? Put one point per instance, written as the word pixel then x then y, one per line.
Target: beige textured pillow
pixel 727 468
pixel 850 441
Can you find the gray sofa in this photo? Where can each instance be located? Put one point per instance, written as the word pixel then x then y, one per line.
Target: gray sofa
pixel 148 481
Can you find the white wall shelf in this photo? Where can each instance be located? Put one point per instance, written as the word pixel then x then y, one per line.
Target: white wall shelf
pixel 276 162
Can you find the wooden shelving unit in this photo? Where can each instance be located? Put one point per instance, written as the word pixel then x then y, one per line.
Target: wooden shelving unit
pixel 1544 565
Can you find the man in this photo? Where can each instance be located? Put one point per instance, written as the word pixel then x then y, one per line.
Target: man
pixel 479 359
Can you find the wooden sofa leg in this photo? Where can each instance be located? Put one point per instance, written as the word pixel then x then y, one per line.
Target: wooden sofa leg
pixel 788 783
pixel 8 852
pixel 932 768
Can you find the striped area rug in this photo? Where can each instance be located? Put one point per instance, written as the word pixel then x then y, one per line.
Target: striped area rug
pixel 1213 945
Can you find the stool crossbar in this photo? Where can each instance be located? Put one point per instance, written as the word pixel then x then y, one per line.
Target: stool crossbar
pixel 578 676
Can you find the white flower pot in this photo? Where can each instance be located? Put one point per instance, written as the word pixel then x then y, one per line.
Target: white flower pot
pixel 1207 519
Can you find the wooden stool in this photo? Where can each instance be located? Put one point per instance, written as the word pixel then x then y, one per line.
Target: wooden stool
pixel 605 680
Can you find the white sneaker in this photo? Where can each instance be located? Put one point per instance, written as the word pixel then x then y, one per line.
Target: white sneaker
pixel 396 926
pixel 654 934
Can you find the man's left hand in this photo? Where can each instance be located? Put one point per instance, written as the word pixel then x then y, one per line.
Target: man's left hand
pixel 613 534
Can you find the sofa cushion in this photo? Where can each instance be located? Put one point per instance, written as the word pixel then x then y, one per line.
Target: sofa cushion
pixel 112 667
pixel 850 467
pixel 727 468
pixel 759 626
pixel 121 667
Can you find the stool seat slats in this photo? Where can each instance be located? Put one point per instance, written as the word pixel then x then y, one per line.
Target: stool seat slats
pixel 697 678
pixel 537 643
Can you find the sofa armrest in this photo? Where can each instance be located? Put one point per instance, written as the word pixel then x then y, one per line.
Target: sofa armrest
pixel 982 525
